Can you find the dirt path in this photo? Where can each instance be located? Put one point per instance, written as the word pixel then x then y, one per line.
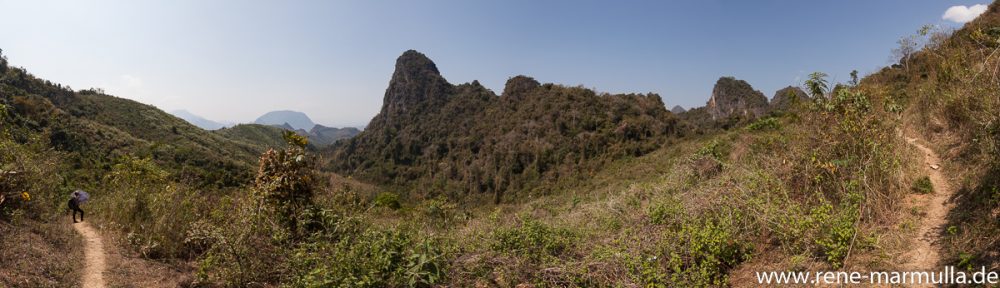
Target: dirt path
pixel 93 272
pixel 924 254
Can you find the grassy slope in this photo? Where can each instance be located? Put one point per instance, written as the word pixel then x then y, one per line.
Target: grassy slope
pixel 952 101
pixel 266 135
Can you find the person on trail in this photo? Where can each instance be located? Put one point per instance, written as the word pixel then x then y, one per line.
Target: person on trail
pixel 74 204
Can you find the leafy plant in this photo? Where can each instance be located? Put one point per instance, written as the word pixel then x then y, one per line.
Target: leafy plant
pixel 387 199
pixel 817 84
pixel 923 185
pixel 531 239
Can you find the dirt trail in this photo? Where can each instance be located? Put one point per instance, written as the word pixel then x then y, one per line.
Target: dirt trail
pixel 93 272
pixel 924 254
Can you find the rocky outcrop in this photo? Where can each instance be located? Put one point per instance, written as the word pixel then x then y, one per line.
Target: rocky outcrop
pixel 415 85
pixel 519 86
pixel 735 98
pixel 788 97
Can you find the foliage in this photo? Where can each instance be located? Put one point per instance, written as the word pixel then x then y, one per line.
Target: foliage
pixel 817 84
pixel 532 239
pixel 768 123
pixel 285 181
pixel 387 199
pixel 373 258
pixel 923 185
pixel 700 252
pixel 445 139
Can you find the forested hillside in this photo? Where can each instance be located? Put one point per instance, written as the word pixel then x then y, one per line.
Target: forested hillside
pixel 458 139
pixel 96 129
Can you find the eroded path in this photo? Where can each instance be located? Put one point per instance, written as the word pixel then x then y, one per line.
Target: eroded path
pixel 924 255
pixel 93 272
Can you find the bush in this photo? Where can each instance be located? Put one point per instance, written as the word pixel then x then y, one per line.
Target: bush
pixel 531 239
pixel 387 199
pixel 392 257
pixel 666 212
pixel 769 123
pixel 923 185
pixel 702 252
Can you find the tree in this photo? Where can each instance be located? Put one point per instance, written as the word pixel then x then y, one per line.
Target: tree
pixel 285 180
pixel 817 84
pixel 854 77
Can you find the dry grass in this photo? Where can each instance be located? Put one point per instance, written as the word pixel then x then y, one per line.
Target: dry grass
pixel 39 254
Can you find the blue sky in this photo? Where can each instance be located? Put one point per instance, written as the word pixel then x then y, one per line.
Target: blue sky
pixel 235 60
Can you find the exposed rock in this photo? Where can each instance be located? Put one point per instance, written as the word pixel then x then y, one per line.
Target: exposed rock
pixel 735 98
pixel 518 86
pixel 415 83
pixel 787 97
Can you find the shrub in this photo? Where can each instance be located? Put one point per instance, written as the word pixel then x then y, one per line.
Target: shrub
pixel 532 239
pixel 393 257
pixel 387 199
pixel 702 251
pixel 714 149
pixel 440 210
pixel 769 123
pixel 666 212
pixel 923 185
pixel 285 181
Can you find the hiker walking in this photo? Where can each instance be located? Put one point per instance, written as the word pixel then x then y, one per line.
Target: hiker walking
pixel 78 197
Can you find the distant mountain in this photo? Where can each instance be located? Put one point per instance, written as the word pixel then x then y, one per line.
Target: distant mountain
pixel 199 121
pixel 321 135
pixel 677 109
pixel 297 120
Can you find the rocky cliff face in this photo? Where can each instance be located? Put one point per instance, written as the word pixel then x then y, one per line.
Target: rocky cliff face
pixel 416 85
pixel 787 97
pixel 735 98
pixel 519 86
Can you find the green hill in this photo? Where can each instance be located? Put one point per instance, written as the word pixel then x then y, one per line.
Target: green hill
pixel 97 128
pixel 266 135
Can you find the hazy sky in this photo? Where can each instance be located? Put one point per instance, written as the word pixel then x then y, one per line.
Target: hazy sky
pixel 235 60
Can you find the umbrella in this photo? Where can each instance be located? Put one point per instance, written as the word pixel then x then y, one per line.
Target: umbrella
pixel 81 195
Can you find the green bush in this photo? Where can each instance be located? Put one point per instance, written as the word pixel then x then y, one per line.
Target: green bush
pixel 769 123
pixel 387 199
pixel 666 212
pixel 923 185
pixel 532 239
pixel 440 210
pixel 702 251
pixel 392 257
pixel 714 149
